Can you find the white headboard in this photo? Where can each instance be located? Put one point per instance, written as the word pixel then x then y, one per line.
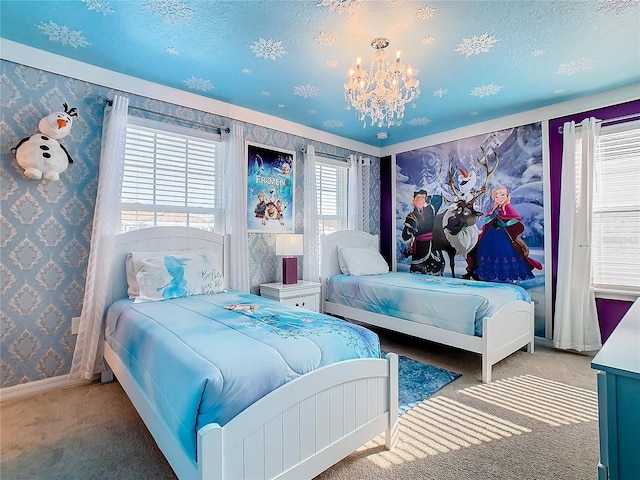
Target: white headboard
pixel 344 238
pixel 158 239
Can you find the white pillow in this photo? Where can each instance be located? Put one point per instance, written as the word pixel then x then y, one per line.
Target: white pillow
pixel 164 275
pixel 342 263
pixel 363 261
pixel 133 290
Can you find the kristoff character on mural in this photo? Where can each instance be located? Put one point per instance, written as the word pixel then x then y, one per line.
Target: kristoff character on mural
pixel 261 206
pixel 500 254
pixel 418 233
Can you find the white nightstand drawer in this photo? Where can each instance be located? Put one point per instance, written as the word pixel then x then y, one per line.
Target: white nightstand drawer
pixel 310 302
pixel 302 294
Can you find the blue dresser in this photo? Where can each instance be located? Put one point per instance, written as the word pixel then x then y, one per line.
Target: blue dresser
pixel 618 365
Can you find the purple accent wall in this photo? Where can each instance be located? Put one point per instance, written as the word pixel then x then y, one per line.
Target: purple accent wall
pixel 612 311
pixel 387 207
pixel 609 311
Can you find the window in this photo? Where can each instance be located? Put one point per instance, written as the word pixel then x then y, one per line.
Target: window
pixel 615 245
pixel 331 191
pixel 172 176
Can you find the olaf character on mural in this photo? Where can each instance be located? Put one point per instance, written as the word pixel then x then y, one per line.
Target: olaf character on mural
pixel 500 254
pixel 418 233
pixel 41 155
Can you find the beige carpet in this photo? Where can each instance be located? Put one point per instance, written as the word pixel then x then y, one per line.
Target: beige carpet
pixel 536 420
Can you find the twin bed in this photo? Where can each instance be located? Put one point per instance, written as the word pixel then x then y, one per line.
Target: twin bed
pixel 493 320
pixel 232 385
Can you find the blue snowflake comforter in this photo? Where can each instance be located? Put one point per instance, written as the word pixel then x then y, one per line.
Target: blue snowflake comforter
pixel 203 359
pixel 450 303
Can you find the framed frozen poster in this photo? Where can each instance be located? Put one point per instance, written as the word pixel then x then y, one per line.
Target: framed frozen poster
pixel 270 189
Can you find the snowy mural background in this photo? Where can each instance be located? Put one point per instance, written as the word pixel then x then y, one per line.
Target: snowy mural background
pixel 519 151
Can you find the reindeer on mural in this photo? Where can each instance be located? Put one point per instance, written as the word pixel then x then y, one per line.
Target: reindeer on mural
pixel 455 230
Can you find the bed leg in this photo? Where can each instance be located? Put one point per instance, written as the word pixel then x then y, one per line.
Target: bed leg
pixel 486 370
pixel 530 346
pixel 106 375
pixel 391 434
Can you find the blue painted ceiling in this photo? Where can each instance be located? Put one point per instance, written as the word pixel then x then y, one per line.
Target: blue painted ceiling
pixel 476 60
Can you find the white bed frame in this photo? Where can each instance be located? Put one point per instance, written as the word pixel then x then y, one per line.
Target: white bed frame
pixel 297 431
pixel 507 331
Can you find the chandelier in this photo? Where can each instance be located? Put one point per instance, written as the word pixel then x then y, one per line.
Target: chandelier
pixel 382 92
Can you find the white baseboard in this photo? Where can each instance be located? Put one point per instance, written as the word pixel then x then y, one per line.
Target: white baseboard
pixel 546 342
pixel 39 386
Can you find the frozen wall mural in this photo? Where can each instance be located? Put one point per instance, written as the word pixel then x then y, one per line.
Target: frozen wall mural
pixel 473 209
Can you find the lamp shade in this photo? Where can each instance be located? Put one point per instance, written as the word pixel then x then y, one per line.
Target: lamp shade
pixel 289 244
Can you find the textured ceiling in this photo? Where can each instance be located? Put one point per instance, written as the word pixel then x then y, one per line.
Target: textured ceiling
pixel 476 60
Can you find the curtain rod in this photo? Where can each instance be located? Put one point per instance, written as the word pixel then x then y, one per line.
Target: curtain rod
pixel 194 122
pixel 611 120
pixel 328 155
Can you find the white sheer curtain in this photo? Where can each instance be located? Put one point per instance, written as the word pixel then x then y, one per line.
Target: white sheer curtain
pixel 576 319
pixel 358 194
pixel 310 260
pixel 235 171
pixel 87 357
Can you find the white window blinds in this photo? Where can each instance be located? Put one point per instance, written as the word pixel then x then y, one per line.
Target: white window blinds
pixel 172 176
pixel 616 209
pixel 331 191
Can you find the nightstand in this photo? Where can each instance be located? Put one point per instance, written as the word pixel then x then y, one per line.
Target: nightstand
pixel 302 294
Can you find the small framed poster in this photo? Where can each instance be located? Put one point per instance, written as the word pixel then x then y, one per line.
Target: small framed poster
pixel 270 189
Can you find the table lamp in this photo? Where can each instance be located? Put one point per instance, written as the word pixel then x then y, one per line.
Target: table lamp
pixel 288 245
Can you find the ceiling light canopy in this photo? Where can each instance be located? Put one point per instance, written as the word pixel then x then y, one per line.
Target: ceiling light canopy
pixel 382 92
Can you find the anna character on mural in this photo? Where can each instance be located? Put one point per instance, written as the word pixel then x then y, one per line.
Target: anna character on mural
pixel 418 233
pixel 500 254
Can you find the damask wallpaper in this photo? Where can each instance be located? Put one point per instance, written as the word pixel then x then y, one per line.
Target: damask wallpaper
pixel 45 227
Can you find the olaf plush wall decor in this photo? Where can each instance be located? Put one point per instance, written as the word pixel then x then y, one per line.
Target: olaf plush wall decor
pixel 41 155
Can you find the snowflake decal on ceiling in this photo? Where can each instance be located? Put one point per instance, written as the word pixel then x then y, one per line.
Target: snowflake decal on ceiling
pixel 558 91
pixel 474 114
pixel 538 52
pixel 428 40
pixel 312 112
pixel 246 71
pixel 325 39
pixel 172 50
pixel 98 6
pixel 265 93
pixel 476 44
pixel 426 12
pixel 331 63
pixel 440 92
pixel 280 105
pixel 333 123
pixel 62 34
pixel 199 84
pixel 267 49
pixel 616 6
pixel 485 90
pixel 341 6
pixel 419 122
pixel 306 91
pixel 575 66
pixel 170 11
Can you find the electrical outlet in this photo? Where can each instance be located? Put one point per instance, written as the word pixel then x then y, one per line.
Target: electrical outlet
pixel 75 325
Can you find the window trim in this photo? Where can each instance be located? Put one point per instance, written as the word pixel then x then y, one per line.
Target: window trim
pixel 611 292
pixel 344 166
pixel 169 129
pixel 173 128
